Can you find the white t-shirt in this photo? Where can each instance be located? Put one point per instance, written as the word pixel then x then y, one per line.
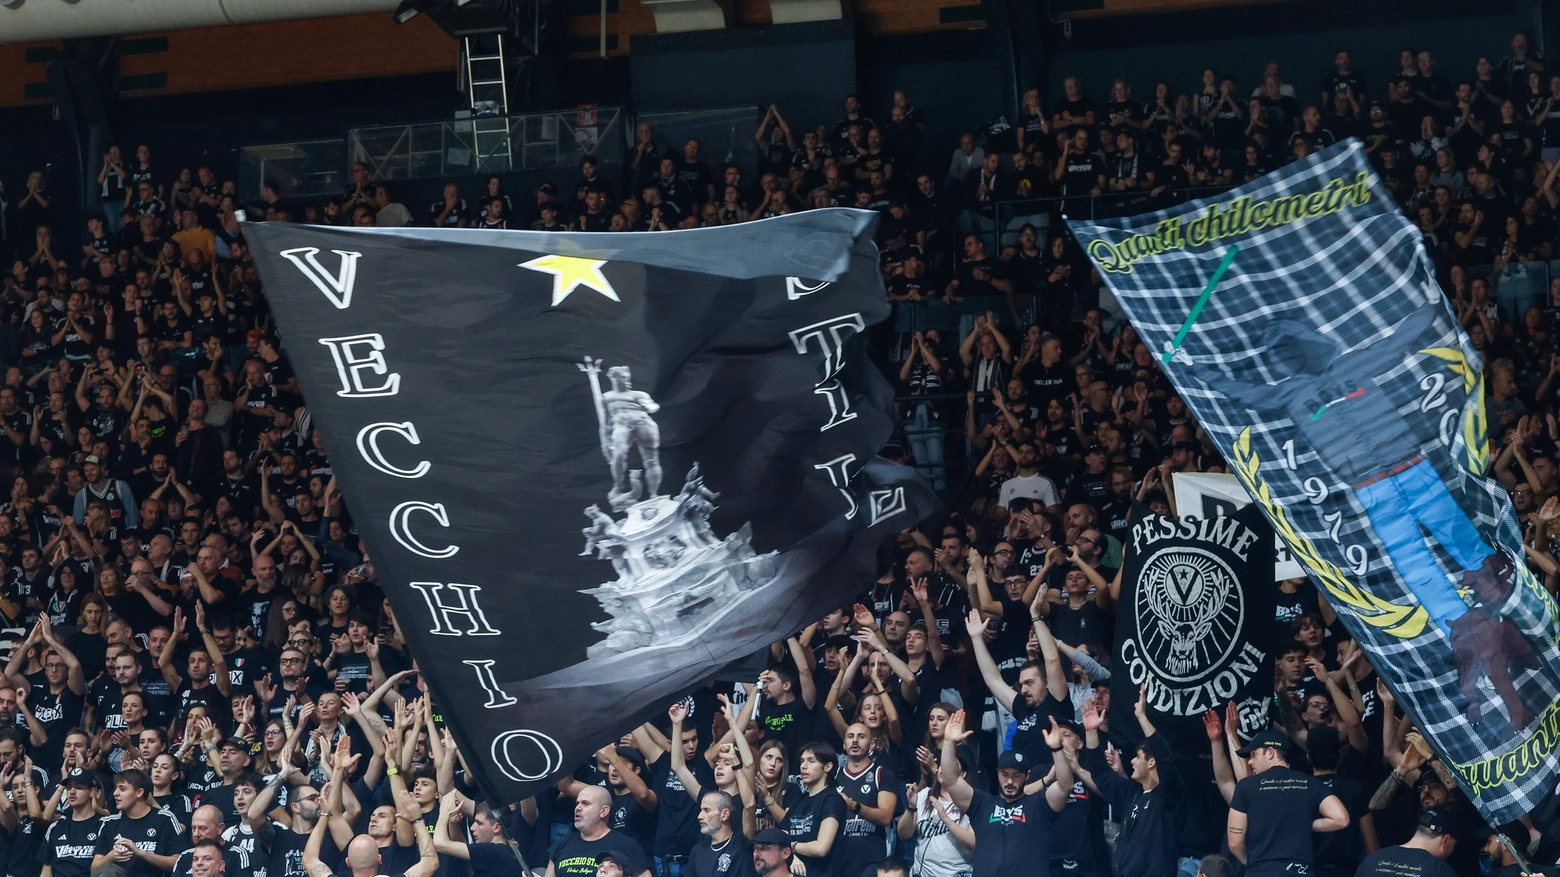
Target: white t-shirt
pixel 937 854
pixel 1036 487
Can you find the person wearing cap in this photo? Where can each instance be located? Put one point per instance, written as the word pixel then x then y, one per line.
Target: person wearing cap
pixel 772 853
pixel 1503 862
pixel 1012 828
pixel 576 854
pixel 112 491
pixel 1424 854
pixel 69 844
pixel 1149 798
pixel 1267 825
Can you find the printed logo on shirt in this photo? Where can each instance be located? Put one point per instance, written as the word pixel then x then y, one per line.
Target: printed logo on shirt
pixel 1013 815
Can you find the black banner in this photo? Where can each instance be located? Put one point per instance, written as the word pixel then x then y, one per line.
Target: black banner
pixel 591 468
pixel 1194 623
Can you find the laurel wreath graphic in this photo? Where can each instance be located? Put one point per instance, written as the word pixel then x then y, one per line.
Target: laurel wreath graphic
pixel 1405 622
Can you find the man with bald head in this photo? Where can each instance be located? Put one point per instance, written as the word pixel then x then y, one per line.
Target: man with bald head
pixel 575 855
pixel 867 790
pixel 211 856
pixel 362 858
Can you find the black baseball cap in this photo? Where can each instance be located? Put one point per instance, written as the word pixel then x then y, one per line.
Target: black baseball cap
pixel 1013 760
pixel 633 756
pixel 1435 821
pixel 81 778
pixel 1268 739
pixel 236 743
pixel 772 837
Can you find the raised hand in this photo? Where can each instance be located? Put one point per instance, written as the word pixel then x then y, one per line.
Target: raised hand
pixel 1212 727
pixel 975 623
pixel 1053 735
pixel 1231 720
pixel 918 588
pixel 954 728
pixel 1093 715
pixel 863 616
pixel 678 713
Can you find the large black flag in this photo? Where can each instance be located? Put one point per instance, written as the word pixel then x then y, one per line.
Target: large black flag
pixel 593 468
pixel 1194 623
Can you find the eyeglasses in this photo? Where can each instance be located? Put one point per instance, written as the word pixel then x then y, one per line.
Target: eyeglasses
pixel 292 660
pixel 1003 551
pixel 308 799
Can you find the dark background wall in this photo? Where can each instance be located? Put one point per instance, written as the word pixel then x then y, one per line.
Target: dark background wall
pixel 1302 37
pixel 805 68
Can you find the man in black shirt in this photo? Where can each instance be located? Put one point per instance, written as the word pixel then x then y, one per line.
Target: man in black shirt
pixel 1146 801
pixel 786 711
pixel 70 843
pixel 143 840
pixel 726 852
pixel 577 854
pixel 1042 693
pixel 1271 815
pixel 488 854
pixel 1012 828
pixel 1424 855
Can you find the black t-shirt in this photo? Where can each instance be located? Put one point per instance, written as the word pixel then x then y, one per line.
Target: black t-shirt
pixel 1279 804
pixel 732 858
pixel 1045 383
pixel 574 856
pixel 1340 851
pixel 157 832
pixel 861 842
pixel 791 724
pixel 677 813
pixel 69 845
pixel 805 815
pixel 1011 839
pixel 58 713
pixel 1031 725
pixel 1081 173
pixel 1403 862
pixel 629 817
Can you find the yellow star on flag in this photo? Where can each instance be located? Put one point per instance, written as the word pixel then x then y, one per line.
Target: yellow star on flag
pixel 571 272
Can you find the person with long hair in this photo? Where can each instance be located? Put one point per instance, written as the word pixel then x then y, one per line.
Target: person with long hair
pixel 771 782
pixel 815 812
pixel 336 608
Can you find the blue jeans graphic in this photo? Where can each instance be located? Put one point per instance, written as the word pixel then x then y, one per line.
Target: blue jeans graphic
pixel 925 435
pixel 1397 507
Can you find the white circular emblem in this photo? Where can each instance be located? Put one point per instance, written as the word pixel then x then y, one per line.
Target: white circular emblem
pixel 865 788
pixel 1189 613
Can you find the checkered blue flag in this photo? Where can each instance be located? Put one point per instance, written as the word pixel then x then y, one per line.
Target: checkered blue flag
pixel 1299 318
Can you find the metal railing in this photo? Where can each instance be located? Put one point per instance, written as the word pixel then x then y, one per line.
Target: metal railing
pixel 488 145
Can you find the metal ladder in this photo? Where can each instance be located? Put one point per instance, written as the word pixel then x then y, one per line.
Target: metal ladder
pixel 487 85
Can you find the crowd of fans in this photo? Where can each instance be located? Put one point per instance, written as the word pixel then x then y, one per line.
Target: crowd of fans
pixel 207 679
